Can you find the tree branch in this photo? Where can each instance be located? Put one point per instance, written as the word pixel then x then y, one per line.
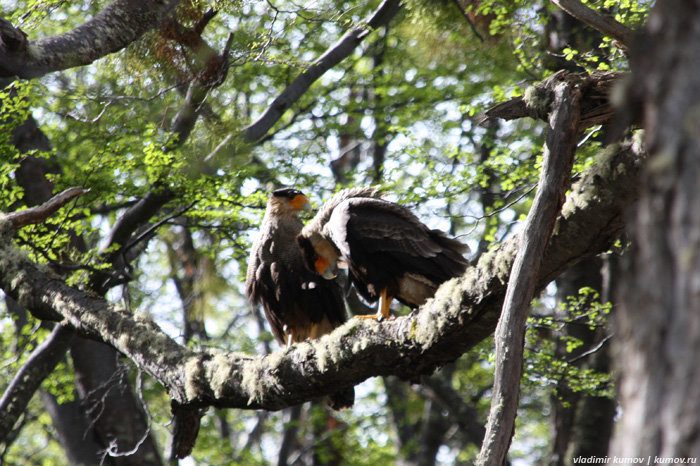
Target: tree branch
pixel 40 213
pixel 464 312
pixel 334 55
pixel 604 24
pixel 42 361
pixel 560 147
pixel 595 99
pixel 113 28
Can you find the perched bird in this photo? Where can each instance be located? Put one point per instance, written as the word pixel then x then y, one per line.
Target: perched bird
pixel 297 304
pixel 388 251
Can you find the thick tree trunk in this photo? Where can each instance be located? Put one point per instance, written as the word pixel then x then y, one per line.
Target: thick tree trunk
pixel 659 320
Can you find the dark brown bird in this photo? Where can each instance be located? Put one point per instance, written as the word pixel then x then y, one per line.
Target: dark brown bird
pixel 297 303
pixel 388 251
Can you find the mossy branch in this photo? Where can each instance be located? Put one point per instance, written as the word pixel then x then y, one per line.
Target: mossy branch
pixel 463 313
pixel 596 107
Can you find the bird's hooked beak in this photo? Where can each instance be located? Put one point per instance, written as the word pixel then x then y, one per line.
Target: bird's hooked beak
pixel 300 202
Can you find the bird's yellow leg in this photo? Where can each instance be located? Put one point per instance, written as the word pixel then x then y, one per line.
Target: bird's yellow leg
pixel 383 311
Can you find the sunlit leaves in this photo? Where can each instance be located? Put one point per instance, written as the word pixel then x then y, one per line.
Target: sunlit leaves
pixel 544 363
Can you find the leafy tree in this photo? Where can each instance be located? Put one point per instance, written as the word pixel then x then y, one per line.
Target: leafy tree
pixel 124 309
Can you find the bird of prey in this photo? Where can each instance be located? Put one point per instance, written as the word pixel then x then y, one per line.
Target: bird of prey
pixel 389 252
pixel 297 303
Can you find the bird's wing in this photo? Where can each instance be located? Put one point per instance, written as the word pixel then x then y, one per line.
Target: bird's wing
pixel 382 226
pixel 376 230
pixel 324 214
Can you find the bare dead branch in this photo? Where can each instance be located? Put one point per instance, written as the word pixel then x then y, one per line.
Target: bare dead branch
pixel 604 24
pixel 596 108
pixel 40 213
pixel 560 147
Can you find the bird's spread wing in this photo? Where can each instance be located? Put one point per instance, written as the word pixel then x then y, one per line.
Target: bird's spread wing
pixel 385 226
pixel 389 235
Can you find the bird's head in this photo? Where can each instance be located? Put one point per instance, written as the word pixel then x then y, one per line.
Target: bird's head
pixel 319 255
pixel 288 200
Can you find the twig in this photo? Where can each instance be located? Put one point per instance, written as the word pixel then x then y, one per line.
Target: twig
pixel 157 225
pixel 468 19
pixel 592 350
pixel 113 449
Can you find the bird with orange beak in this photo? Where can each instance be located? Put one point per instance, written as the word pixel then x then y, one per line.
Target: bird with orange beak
pixel 298 304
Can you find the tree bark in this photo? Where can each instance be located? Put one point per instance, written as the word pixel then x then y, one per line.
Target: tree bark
pixel 659 318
